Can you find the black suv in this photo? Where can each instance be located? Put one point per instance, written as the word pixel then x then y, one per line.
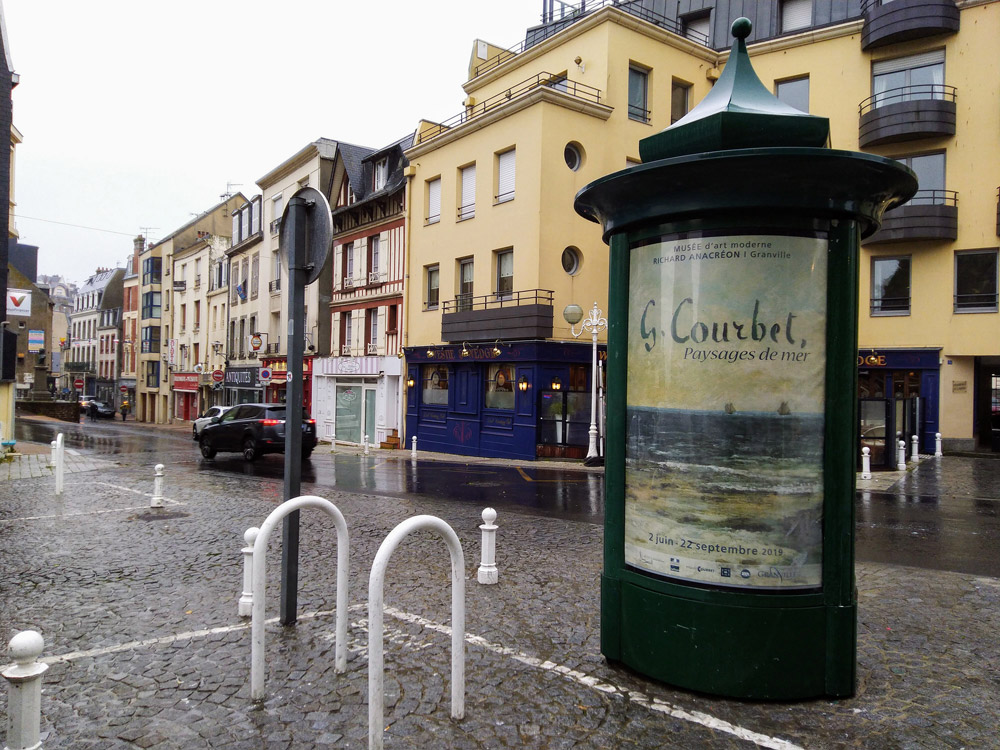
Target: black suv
pixel 253 430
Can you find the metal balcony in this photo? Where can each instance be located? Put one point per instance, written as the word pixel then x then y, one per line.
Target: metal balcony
pixel 525 314
pixel 907 113
pixel 902 20
pixel 930 215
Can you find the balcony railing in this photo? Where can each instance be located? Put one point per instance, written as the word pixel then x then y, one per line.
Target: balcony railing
pixel 272 348
pixel 276 226
pixel 274 286
pixel 929 215
pixel 569 15
pixel 346 350
pixel 372 348
pixel 983 302
pixel 496 300
pixel 542 80
pixel 917 92
pixel 890 306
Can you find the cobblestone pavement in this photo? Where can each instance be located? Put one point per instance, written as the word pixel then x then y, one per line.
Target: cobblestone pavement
pixel 138 609
pixel 34 462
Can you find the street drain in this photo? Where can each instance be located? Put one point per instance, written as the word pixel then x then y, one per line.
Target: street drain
pixel 158 516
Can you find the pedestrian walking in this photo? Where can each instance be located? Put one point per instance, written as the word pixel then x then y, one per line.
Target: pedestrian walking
pixel 124 410
pixel 92 411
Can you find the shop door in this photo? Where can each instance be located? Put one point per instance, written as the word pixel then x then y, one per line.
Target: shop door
pixel 324 408
pixel 874 419
pixel 349 403
pixel 370 411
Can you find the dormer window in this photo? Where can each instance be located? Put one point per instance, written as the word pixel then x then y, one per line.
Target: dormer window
pixel 381 173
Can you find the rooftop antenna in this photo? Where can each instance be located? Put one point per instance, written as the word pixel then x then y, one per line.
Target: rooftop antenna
pixel 145 233
pixel 229 190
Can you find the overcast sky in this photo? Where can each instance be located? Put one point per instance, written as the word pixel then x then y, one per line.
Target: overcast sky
pixel 137 114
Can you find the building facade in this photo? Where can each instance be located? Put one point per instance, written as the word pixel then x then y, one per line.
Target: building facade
pixel 311 166
pixel 248 286
pixel 358 389
pixel 88 336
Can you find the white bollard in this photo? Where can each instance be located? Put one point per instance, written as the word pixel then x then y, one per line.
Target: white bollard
pixel 52 456
pixel 60 462
pixel 488 572
pixel 901 458
pixel 866 463
pixel 915 449
pixel 937 444
pixel 157 500
pixel 24 691
pixel 366 445
pixel 245 607
pixel 413 450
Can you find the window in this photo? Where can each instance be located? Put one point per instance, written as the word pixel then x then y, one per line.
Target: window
pixel 433 276
pixel 347 265
pixel 467 200
pixel 152 271
pixel 346 333
pixel 392 319
pixel 373 259
pixel 197 314
pixel 236 227
pixel 152 374
pixel 795 14
pixel 976 281
pixel 434 200
pixel 573 155
pixel 371 331
pixel 380 173
pixel 638 79
pixel 255 215
pixel 275 285
pixel 151 305
pixel 254 275
pixel 150 340
pixel 905 79
pixel 794 93
pixel 698 28
pixel 505 273
pixel 571 260
pixel 183 317
pixel 276 209
pixel 245 222
pixel 505 176
pixel 465 283
pixel 930 176
pixel 499 388
pixel 680 100
pixel 434 379
pixel 890 286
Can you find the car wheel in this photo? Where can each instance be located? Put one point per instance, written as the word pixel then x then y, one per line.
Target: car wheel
pixel 249 449
pixel 194 433
pixel 207 450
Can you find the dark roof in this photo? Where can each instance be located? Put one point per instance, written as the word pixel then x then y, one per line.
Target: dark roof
pixel 359 170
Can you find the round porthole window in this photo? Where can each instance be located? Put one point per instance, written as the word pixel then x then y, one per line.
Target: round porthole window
pixel 573 154
pixel 571 260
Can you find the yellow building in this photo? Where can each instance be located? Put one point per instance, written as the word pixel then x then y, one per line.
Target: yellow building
pixel 159 352
pixel 496 252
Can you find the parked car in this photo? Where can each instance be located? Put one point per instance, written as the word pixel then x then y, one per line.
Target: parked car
pixel 206 418
pixel 253 430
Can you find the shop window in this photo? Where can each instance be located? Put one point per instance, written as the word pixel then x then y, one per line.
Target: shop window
pixel 638 79
pixel 434 381
pixel 890 286
pixel 794 92
pixel 499 388
pixel 976 281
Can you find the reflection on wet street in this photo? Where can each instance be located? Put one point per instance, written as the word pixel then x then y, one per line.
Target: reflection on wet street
pixel 944 514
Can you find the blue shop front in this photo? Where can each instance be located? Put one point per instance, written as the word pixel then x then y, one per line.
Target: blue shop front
pixel 898 397
pixel 521 400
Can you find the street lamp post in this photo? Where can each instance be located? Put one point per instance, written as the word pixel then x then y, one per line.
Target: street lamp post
pixel 595 324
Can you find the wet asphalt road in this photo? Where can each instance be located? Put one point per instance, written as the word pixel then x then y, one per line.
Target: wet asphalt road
pixel 944 515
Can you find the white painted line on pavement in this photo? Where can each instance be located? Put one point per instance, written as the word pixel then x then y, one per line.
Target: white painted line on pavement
pixel 654 704
pixel 79 513
pixel 139 492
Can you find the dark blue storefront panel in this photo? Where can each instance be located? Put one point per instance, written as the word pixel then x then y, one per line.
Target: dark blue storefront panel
pixel 928 363
pixel 466 426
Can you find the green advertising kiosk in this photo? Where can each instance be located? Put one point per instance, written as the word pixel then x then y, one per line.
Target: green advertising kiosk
pixel 732 344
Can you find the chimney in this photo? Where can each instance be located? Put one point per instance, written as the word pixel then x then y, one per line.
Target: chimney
pixel 139 244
